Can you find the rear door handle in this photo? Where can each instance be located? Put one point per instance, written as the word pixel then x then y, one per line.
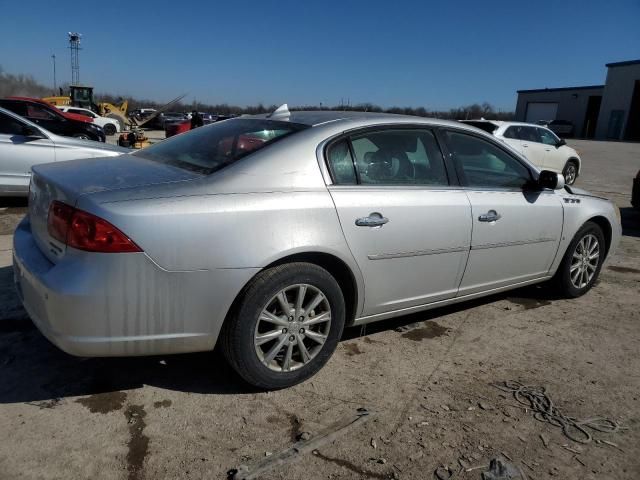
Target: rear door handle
pixel 490 216
pixel 374 219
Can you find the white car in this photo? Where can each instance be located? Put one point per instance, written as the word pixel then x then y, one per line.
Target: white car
pixel 110 125
pixel 540 145
pixel 24 144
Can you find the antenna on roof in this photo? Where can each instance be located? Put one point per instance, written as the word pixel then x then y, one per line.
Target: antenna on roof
pixel 280 113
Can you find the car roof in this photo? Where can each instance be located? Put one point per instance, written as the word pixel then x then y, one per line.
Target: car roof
pixel 29 99
pixel 503 123
pixel 313 118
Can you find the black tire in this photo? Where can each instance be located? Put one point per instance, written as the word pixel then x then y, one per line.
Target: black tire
pixel 109 129
pixel 237 336
pixel 562 280
pixel 570 168
pixel 82 136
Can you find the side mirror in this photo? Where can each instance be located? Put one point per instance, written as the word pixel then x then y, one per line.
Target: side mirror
pixel 29 131
pixel 561 143
pixel 551 180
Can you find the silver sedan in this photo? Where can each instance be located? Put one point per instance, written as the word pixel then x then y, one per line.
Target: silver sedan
pixel 24 144
pixel 270 234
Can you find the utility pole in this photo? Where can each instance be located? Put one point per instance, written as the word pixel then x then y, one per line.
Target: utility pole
pixel 54 72
pixel 74 46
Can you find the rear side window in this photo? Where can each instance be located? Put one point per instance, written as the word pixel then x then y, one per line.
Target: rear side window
pixel 530 134
pixel 213 147
pixel 512 132
pixel 341 163
pixel 399 157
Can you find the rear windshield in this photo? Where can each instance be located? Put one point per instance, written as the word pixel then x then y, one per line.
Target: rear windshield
pixel 210 148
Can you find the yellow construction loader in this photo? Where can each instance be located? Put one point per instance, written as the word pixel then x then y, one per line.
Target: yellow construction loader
pixel 82 97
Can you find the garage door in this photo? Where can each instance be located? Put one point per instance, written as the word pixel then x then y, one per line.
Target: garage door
pixel 541 111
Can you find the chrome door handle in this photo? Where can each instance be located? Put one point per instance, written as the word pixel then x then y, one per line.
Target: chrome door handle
pixel 490 216
pixel 374 219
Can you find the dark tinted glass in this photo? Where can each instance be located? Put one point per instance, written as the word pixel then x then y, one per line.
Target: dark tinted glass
pixel 512 132
pixel 341 164
pixel 208 149
pixel 530 134
pixel 399 157
pixel 484 165
pixel 548 137
pixel 10 126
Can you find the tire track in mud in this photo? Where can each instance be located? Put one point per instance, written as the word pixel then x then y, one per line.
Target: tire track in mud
pixel 404 411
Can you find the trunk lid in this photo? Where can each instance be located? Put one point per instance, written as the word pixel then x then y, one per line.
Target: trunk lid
pixel 67 181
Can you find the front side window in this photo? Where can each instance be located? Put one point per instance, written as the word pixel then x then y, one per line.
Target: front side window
pixel 399 157
pixel 548 137
pixel 10 126
pixel 211 148
pixel 40 113
pixel 482 164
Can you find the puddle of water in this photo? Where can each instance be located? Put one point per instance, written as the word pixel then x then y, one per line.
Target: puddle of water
pixel 104 402
pixel 428 330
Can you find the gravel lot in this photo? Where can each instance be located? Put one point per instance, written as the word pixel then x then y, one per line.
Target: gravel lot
pixel 426 379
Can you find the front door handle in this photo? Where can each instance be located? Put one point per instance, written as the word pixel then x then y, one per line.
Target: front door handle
pixel 490 216
pixel 374 219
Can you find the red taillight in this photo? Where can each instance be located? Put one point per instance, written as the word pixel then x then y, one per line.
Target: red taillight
pixel 85 231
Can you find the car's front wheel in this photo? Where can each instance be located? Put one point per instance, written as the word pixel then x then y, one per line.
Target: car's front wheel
pixel 110 129
pixel 582 261
pixel 286 325
pixel 570 172
pixel 82 136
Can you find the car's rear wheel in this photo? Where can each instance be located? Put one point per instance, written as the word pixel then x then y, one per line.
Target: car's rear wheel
pixel 582 261
pixel 286 326
pixel 570 172
pixel 109 129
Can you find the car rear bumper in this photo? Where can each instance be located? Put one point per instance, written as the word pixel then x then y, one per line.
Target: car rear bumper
pixel 121 304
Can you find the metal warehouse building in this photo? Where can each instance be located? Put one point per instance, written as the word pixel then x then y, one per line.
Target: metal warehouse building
pixel 610 111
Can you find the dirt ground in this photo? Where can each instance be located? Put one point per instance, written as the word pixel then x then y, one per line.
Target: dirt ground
pixel 427 381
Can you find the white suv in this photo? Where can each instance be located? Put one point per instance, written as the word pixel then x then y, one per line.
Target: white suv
pixel 539 144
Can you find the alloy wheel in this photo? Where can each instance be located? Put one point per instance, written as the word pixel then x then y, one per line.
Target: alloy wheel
pixel 292 328
pixel 584 261
pixel 570 174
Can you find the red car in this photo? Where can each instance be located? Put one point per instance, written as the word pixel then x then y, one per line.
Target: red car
pixel 54 120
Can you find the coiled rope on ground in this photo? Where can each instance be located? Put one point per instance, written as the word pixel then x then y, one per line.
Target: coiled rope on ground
pixel 540 402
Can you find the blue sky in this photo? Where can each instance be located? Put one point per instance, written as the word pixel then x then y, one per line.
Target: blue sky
pixel 406 53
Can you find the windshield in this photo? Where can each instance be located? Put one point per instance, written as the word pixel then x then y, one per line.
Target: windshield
pixel 208 149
